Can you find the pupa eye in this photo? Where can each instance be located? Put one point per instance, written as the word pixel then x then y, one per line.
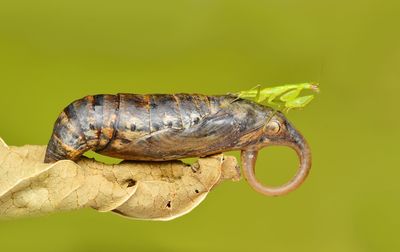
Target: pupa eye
pixel 273 127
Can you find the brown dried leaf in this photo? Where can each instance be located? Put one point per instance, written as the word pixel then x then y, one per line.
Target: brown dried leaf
pixel 140 190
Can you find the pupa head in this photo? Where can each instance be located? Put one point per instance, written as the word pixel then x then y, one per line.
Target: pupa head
pixel 277 131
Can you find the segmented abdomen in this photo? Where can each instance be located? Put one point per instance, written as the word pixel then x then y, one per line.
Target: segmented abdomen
pixel 105 123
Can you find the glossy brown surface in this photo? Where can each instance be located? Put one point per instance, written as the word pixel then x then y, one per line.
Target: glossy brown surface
pixel 154 127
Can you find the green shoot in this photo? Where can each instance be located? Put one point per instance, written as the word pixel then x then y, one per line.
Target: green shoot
pixel 285 97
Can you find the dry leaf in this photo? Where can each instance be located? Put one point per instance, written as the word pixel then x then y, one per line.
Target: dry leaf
pixel 140 190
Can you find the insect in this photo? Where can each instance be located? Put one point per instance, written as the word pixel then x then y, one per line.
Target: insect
pixel 286 96
pixel 159 127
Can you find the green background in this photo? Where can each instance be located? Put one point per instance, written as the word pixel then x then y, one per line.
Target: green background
pixel 52 52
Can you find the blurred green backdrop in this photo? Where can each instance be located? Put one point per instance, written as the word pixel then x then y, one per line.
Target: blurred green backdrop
pixel 52 52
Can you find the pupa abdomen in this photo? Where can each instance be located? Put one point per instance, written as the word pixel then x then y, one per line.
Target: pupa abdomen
pixel 153 127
